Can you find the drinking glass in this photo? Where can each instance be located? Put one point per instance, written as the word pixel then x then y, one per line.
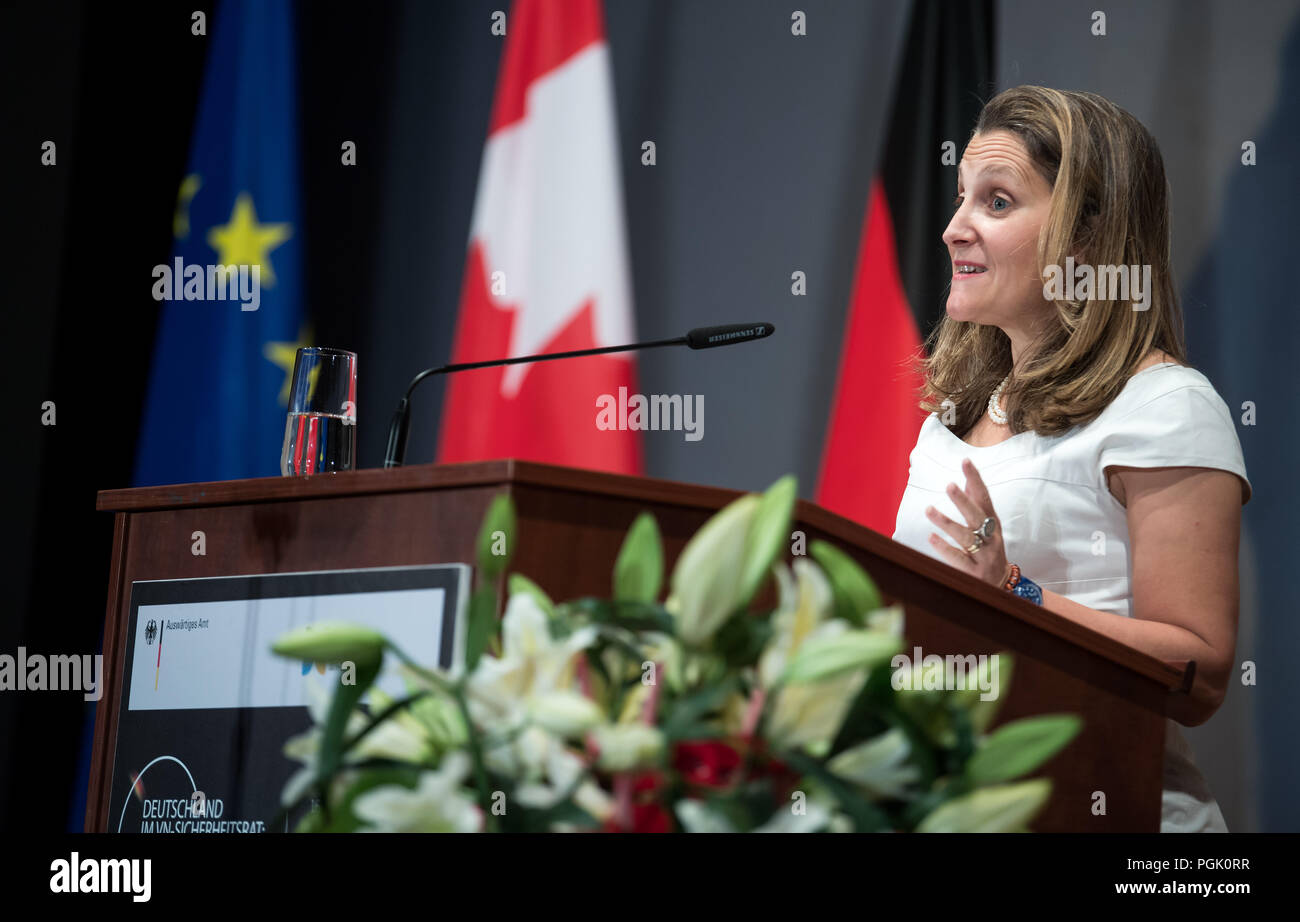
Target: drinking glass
pixel 321 433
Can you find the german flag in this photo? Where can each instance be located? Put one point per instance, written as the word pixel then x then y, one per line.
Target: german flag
pixel 902 276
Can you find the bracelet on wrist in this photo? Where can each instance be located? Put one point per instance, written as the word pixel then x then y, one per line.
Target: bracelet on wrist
pixel 1022 586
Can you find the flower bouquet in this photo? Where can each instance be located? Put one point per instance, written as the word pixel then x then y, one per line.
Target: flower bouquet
pixel 706 712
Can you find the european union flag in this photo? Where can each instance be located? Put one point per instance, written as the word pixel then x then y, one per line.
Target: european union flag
pixel 232 318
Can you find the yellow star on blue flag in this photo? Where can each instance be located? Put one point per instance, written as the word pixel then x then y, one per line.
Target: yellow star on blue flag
pixel 243 242
pixel 219 385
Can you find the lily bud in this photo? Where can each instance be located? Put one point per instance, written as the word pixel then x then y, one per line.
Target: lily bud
pixel 566 713
pixel 706 580
pixel 624 747
pixel 332 642
pixel 1003 808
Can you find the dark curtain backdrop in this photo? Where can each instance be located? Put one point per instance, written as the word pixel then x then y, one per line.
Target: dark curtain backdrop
pixel 766 146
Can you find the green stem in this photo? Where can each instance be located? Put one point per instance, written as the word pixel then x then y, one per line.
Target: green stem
pixel 381 717
pixel 476 754
pixel 437 679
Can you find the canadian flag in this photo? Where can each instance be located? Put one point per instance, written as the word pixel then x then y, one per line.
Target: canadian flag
pixel 547 269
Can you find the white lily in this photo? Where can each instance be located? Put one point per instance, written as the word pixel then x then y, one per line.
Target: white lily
pixel 567 714
pixel 804 603
pixel 528 702
pixel 696 816
pixel 545 767
pixel 808 715
pixel 505 692
pixel 592 798
pixel 804 714
pixel 548 771
pixel 437 804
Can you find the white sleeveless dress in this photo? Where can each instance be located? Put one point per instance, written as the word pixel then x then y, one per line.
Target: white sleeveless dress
pixel 1066 530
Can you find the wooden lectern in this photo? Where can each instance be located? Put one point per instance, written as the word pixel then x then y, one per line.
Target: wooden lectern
pixel 570 527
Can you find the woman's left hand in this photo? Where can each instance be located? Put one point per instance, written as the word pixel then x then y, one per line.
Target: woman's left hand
pixel 989 562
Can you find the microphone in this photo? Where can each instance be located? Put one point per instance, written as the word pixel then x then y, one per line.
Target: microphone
pixel 699 338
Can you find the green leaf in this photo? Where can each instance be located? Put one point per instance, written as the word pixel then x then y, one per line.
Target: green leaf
pixel 1017 748
pixel 922 696
pixel 518 583
pixel 344 702
pixel 312 821
pixel 741 639
pixel 634 616
pixel 943 721
pixel 482 624
pixel 875 711
pixel 963 739
pixel 865 718
pixel 866 816
pixel 342 819
pixel 1003 808
pixel 496 538
pixel 767 536
pixel 923 754
pixel 880 765
pixel 745 806
pixel 475 746
pixel 855 592
pixel 938 791
pixel 639 570
pixel 827 657
pixel 332 642
pixel 681 717
pixel 565 811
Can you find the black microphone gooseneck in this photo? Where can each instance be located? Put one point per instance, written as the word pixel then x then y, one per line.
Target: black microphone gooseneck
pixel 700 338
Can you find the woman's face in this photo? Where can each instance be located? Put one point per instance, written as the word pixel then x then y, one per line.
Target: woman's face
pixel 1002 202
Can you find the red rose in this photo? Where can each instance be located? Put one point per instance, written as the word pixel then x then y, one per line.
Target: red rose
pixel 651 817
pixel 647 813
pixel 708 763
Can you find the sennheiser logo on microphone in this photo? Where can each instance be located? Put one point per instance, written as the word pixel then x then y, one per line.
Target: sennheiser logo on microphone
pixel 709 337
pixel 735 334
pixel 677 412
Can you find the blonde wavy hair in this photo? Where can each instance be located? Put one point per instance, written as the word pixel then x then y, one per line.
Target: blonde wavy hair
pixel 1109 206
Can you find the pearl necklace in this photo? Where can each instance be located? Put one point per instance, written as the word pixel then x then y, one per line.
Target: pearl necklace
pixel 995 411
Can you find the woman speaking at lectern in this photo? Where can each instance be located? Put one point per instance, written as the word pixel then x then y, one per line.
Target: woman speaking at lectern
pixel 1072 456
